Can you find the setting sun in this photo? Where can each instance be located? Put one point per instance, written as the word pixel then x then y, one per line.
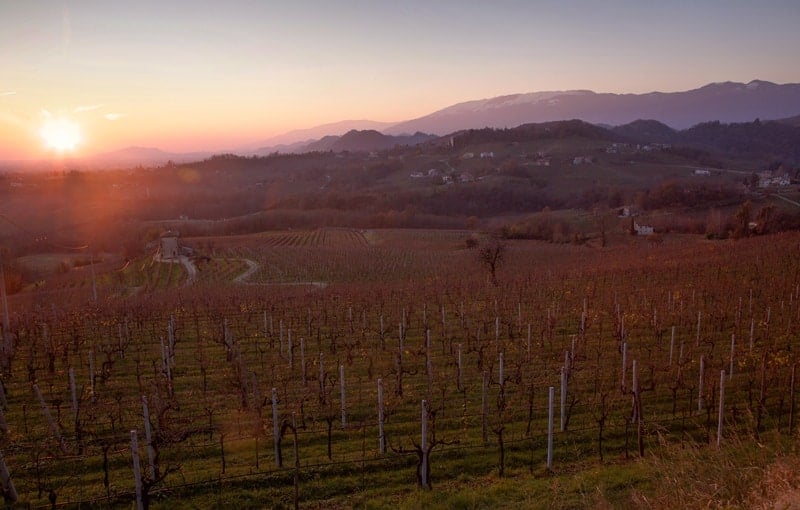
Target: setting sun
pixel 60 134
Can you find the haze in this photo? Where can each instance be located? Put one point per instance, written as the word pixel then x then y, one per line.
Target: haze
pixel 212 76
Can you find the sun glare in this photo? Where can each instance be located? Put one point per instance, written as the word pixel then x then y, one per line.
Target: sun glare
pixel 60 135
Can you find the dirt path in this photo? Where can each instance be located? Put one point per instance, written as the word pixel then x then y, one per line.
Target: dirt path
pixel 252 267
pixel 786 199
pixel 191 269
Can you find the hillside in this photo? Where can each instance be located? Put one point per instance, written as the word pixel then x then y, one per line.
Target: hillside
pixel 363 141
pixel 649 130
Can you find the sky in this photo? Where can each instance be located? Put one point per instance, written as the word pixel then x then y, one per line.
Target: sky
pixel 86 77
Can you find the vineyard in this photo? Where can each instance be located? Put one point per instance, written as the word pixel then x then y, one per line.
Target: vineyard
pixel 407 370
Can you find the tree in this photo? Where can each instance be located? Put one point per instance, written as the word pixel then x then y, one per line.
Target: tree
pixel 765 219
pixel 742 221
pixel 491 256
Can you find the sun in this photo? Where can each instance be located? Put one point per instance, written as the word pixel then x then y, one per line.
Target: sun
pixel 60 134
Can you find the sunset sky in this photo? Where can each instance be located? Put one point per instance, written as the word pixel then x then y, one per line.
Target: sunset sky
pixel 198 75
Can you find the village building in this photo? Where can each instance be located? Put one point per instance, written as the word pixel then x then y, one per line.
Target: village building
pixel 642 230
pixel 170 245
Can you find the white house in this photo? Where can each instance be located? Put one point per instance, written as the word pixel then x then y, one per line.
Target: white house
pixel 642 230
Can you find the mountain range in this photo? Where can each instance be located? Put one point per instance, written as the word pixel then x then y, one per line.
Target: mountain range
pixel 727 102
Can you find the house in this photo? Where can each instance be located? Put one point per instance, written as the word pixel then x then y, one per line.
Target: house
pixel 642 230
pixel 625 212
pixel 767 180
pixel 170 245
pixel 582 160
pixel 485 155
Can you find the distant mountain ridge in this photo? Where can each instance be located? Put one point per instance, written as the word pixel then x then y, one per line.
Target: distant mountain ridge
pixel 726 102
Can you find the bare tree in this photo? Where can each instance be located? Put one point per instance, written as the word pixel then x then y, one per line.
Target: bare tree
pixel 491 255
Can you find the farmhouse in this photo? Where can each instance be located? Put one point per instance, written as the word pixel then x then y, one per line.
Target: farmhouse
pixel 626 211
pixel 170 245
pixel 642 230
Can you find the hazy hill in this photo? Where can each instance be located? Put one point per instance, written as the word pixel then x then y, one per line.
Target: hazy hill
pixel 750 140
pixel 531 132
pixel 791 121
pixel 146 156
pixel 305 136
pixel 726 102
pixel 364 141
pixel 646 130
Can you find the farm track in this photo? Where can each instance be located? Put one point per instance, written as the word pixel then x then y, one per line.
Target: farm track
pixel 186 262
pixel 252 267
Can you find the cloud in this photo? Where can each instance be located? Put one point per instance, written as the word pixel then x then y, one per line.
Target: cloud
pixel 114 116
pixel 89 108
pixel 10 93
pixel 46 114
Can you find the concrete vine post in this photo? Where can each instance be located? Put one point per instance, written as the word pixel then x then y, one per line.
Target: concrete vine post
pixel 342 389
pixel 49 417
pixel 8 485
pixel 484 408
pixel 550 405
pixel 276 429
pixel 721 405
pixel 624 376
pixel 137 470
pixel 671 345
pixel 424 447
pixel 303 360
pixel 700 385
pixel 563 398
pixel 381 417
pixel 460 377
pixel 149 437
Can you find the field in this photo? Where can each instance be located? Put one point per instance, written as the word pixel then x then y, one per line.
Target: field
pixel 269 392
